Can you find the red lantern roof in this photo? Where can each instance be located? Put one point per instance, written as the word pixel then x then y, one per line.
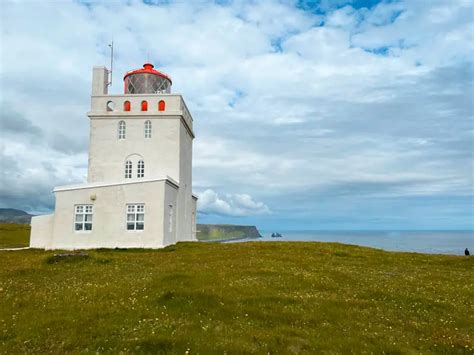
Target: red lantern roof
pixel 147 69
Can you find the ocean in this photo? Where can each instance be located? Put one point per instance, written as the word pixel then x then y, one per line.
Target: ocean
pixel 433 242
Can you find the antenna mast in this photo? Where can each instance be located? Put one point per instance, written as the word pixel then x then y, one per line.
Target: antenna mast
pixel 111 45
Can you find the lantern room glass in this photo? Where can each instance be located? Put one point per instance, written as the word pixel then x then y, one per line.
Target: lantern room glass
pixel 146 83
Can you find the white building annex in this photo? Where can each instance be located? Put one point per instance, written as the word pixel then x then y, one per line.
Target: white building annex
pixel 139 184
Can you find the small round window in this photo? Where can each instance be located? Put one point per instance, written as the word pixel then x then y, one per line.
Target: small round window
pixel 110 106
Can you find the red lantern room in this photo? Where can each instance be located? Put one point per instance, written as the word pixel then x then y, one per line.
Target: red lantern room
pixel 147 81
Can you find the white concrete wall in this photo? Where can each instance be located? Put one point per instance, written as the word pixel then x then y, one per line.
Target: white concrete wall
pixel 167 153
pixel 169 225
pixel 185 203
pixel 41 231
pixel 194 218
pixel 109 216
pixel 107 153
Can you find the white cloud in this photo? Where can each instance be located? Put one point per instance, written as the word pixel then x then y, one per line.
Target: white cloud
pixel 230 205
pixel 282 105
pixel 345 17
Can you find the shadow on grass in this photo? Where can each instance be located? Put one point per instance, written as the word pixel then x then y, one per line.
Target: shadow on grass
pixel 70 258
pixel 170 248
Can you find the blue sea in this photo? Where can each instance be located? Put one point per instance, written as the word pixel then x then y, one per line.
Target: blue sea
pixel 433 242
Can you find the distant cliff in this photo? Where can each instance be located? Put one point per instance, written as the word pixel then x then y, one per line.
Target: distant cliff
pixel 214 232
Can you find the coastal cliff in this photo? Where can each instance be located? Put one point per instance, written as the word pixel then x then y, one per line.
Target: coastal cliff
pixel 215 232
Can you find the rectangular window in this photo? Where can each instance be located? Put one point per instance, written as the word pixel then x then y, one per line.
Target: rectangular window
pixel 136 217
pixel 121 130
pixel 128 169
pixel 83 218
pixel 148 129
pixel 141 169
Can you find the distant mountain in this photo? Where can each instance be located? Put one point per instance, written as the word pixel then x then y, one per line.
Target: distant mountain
pixel 11 215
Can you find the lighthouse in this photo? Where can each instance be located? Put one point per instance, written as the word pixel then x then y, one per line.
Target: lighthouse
pixel 138 192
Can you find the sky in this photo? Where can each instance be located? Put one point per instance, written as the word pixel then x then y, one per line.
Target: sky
pixel 328 115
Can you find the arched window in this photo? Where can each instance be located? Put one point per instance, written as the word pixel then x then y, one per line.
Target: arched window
pixel 128 169
pixel 110 105
pixel 144 105
pixel 148 129
pixel 126 106
pixel 161 105
pixel 121 130
pixel 141 169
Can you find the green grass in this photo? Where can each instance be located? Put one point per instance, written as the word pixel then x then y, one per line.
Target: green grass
pixel 255 297
pixel 14 235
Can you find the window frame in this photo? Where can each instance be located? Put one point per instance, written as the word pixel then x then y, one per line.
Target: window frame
pixel 140 169
pixel 134 209
pixel 128 169
pixel 83 212
pixel 121 130
pixel 148 127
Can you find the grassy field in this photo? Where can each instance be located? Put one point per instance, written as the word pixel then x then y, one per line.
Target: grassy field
pixel 14 235
pixel 258 297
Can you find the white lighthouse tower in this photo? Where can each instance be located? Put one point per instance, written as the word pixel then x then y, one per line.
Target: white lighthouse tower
pixel 139 186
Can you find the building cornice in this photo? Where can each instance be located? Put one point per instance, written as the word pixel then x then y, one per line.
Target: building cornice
pixel 166 179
